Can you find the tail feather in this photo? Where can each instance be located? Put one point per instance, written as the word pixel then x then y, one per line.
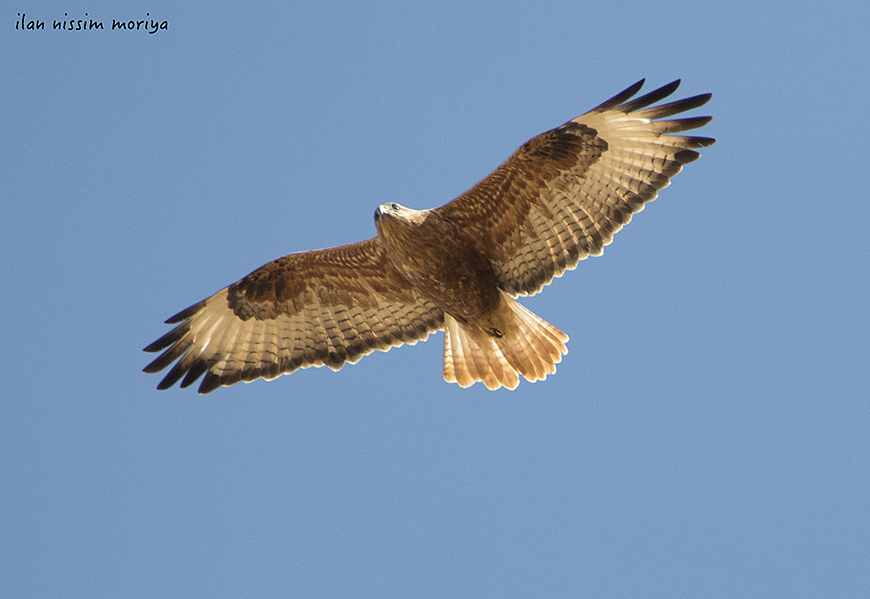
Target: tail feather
pixel 530 347
pixel 470 357
pixel 544 345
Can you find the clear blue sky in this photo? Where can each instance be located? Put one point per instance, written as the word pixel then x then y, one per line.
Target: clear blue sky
pixel 708 434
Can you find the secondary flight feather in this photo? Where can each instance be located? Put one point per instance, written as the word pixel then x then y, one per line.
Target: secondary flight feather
pixel 558 199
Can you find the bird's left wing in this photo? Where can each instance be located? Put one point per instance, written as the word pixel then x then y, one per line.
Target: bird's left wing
pixel 315 308
pixel 562 195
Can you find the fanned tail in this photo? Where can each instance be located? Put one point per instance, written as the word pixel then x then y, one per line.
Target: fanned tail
pixel 529 346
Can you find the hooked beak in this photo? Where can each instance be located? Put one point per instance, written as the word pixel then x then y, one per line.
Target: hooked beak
pixel 384 210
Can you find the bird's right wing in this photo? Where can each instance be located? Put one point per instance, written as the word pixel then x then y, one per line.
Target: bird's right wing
pixel 315 308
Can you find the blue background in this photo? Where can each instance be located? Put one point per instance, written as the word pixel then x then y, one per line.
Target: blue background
pixel 706 436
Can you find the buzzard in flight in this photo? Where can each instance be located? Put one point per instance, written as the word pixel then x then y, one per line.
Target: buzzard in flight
pixel 558 199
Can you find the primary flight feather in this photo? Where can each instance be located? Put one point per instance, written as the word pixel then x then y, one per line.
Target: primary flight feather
pixel 558 199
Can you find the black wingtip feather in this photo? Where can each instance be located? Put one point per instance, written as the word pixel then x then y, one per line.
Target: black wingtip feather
pixel 180 369
pixel 186 313
pixel 196 371
pixel 168 339
pixel 686 124
pixel 672 108
pixel 619 98
pixel 169 380
pixel 686 156
pixel 693 102
pixel 702 142
pixel 168 357
pixel 651 98
pixel 210 383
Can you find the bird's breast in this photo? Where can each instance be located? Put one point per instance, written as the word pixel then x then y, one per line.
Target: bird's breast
pixel 442 264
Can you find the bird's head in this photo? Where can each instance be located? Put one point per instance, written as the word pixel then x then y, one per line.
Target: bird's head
pixel 391 210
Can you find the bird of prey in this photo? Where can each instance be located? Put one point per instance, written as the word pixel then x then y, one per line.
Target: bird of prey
pixel 558 199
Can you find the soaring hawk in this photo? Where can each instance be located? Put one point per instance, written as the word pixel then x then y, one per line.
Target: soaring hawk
pixel 558 199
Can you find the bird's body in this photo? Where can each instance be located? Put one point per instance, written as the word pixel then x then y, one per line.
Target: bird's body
pixel 435 256
pixel 486 339
pixel 559 198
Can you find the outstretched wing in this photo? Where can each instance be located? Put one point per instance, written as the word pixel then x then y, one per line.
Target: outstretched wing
pixel 322 307
pixel 562 195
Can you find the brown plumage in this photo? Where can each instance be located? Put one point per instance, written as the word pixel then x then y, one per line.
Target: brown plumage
pixel 558 199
